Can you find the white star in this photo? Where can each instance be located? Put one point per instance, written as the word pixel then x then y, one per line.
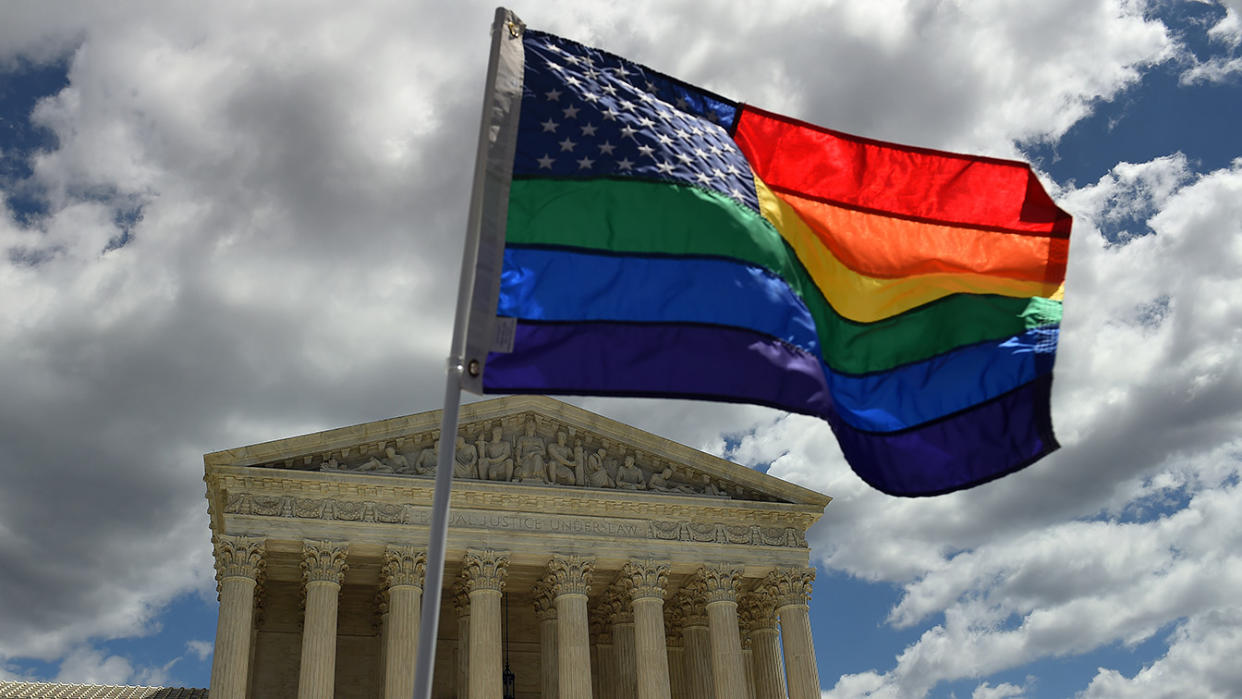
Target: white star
pixel 682 103
pixel 546 162
pixel 590 96
pixel 571 59
pixel 610 89
pixel 611 114
pixel 645 122
pixel 628 131
pixel 626 104
pixel 665 167
pixel 715 149
pixel 572 80
pixel 733 169
pixel 736 194
pixel 665 114
pixel 684 158
pixel 696 131
pixel 552 95
pixel 620 70
pixel 647 151
pixel 591 73
pixel 682 133
pixel 651 87
pixel 588 60
pixel 570 112
pixel 585 163
pixel 700 152
pixel 719 173
pixel 567 145
pixel 645 96
pixel 553 48
pixel 702 177
pixel 549 125
pixel 606 148
pixel 556 66
pixel 625 164
pixel 588 129
pixel 663 138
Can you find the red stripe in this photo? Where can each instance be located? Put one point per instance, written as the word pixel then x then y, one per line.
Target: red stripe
pixel 917 183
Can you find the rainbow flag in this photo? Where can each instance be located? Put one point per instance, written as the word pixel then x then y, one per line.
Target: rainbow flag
pixel 656 239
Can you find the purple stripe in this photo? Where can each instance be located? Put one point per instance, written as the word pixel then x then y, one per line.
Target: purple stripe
pixel 729 364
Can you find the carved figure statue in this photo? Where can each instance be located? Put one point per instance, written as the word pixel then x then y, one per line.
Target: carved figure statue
pixel 428 459
pixel 532 456
pixel 629 476
pixel 596 475
pixel 374 465
pixel 397 462
pixel 496 458
pixel 466 460
pixel 563 464
pixel 329 464
pixel 709 488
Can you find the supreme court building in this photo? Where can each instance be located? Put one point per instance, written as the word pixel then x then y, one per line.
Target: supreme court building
pixel 586 557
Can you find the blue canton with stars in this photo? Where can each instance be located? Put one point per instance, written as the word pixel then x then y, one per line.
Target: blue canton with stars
pixel 589 114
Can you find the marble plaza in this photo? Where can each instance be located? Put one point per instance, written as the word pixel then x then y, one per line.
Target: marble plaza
pixel 586 557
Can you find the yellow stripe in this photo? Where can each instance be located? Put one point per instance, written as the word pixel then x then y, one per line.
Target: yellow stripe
pixel 868 299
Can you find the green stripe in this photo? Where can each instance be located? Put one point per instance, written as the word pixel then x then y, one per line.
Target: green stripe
pixel 632 216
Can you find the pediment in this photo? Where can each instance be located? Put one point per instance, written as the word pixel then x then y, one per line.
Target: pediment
pixel 529 441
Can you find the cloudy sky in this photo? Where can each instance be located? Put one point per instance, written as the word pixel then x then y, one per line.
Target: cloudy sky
pixel 226 223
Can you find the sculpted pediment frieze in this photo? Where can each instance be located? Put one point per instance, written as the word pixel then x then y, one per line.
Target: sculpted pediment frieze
pixel 528 448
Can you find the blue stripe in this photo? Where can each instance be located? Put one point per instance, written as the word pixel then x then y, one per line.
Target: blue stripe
pixel 561 285
pixel 553 285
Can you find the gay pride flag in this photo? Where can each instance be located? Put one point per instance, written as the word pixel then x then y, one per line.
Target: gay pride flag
pixel 656 239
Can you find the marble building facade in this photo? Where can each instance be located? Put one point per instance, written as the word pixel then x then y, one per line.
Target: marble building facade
pixel 591 558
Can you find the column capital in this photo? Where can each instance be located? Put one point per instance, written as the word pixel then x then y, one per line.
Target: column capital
pixel 570 574
pixel 757 610
pixel 790 586
pixel 485 569
pixel 645 578
pixel 461 599
pixel 674 618
pixel 692 599
pixel 403 565
pixel 721 582
pixel 618 607
pixel 543 599
pixel 324 561
pixel 238 557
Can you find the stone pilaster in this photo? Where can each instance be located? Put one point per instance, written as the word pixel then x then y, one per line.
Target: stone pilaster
pixel 484 574
pixel 461 605
pixel 698 657
pixel 402 576
pixel 721 584
pixel 792 590
pixel 545 611
pixel 239 568
pixel 323 570
pixel 570 584
pixel 760 618
pixel 646 581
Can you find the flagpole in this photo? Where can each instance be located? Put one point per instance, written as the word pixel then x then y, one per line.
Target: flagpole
pixel 438 532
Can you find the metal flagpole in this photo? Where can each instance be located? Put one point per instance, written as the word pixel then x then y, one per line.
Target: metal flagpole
pixel 438 533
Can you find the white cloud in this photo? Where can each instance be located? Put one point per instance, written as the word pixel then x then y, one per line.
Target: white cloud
pixel 1003 690
pixel 1199 663
pixel 200 649
pixel 86 665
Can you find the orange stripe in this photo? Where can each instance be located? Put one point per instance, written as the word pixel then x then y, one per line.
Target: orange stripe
pixel 887 247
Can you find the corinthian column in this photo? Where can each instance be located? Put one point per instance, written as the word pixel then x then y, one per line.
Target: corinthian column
pixel 698 656
pixel 721 583
pixel 760 616
pixel 484 575
pixel 403 572
pixel 792 587
pixel 570 578
pixel 646 581
pixel 323 569
pixel 623 646
pixel 545 610
pixel 239 566
pixel 674 622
